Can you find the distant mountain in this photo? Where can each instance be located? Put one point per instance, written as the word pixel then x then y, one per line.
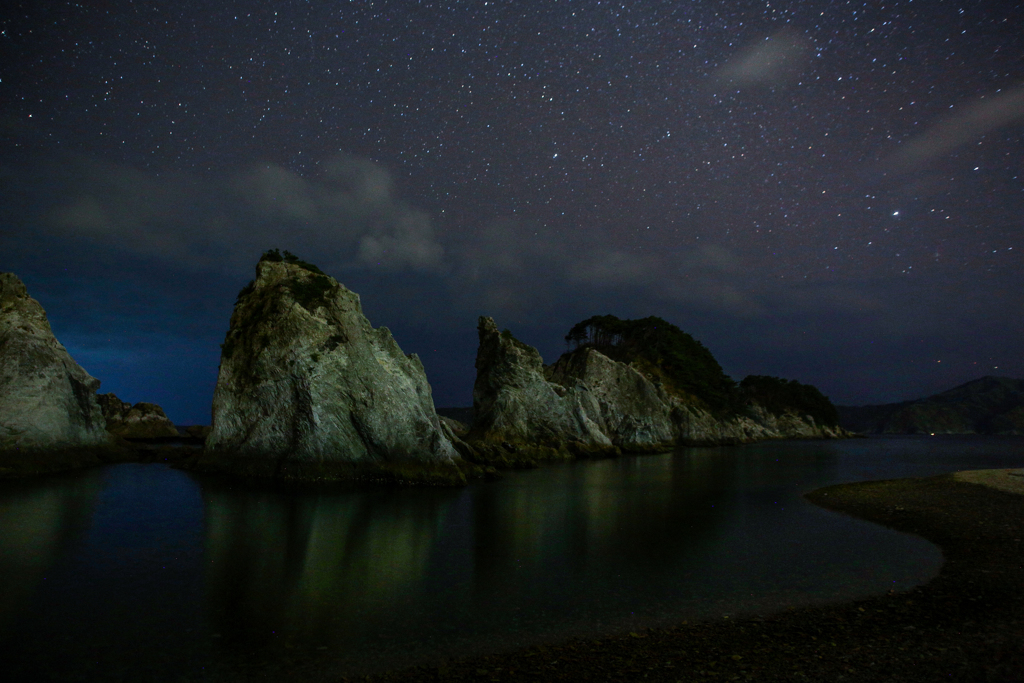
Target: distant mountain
pixel 990 405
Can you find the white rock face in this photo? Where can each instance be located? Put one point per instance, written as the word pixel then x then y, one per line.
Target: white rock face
pixel 307 389
pixel 632 411
pixel 587 403
pixel 49 416
pixel 514 403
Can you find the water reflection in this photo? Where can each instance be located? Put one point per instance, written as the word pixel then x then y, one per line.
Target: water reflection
pixel 141 572
pixel 39 520
pixel 315 566
pixel 594 517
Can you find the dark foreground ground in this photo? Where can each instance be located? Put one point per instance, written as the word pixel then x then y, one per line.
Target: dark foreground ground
pixel 965 625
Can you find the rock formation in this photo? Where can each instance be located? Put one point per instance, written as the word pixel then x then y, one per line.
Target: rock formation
pixel 588 404
pixel 139 421
pixel 516 408
pixel 308 390
pixel 49 416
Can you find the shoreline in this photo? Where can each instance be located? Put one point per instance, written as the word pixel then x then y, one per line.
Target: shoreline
pixel 965 624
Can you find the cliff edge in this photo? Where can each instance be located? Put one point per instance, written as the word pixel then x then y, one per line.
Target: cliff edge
pixel 50 419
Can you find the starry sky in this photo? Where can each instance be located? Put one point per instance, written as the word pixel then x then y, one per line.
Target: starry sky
pixel 823 190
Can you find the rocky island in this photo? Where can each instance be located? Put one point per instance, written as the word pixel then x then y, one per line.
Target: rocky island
pixel 140 421
pixel 628 386
pixel 50 419
pixel 308 390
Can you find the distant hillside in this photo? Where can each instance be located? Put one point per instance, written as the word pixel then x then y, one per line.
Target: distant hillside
pixel 990 405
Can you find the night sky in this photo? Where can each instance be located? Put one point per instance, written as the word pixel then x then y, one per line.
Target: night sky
pixel 826 191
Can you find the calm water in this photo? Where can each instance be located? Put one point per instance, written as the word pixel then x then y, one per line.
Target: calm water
pixel 145 572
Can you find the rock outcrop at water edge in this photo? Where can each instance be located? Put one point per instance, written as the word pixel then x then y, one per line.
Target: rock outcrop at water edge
pixel 308 390
pixel 587 404
pixel 50 419
pixel 140 421
pixel 518 413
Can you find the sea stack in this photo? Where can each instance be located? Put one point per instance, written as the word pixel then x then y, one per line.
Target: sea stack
pixel 50 419
pixel 308 390
pixel 520 416
pixel 666 391
pixel 140 421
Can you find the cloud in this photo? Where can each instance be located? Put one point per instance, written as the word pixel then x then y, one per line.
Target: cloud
pixel 348 215
pixel 507 266
pixel 123 206
pixel 772 61
pixel 612 268
pixel 510 267
pixel 951 132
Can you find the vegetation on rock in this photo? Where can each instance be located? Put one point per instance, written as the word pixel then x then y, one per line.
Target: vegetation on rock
pixel 659 348
pixel 686 368
pixel 779 395
pixel 286 256
pixel 308 293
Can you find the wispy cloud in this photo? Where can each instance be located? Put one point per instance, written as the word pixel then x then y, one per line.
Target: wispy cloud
pixel 965 125
pixel 771 61
pixel 348 215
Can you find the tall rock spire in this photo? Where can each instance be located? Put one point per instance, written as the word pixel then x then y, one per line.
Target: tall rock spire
pixel 49 416
pixel 308 390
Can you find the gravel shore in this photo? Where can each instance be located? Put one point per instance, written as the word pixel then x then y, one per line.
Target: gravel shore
pixel 967 624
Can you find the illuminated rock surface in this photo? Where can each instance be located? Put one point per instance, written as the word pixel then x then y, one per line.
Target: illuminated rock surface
pixel 588 404
pixel 308 390
pixel 49 416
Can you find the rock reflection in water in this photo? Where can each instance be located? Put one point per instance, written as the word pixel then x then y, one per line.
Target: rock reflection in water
pixel 556 537
pixel 165 575
pixel 317 567
pixel 39 520
pixel 628 507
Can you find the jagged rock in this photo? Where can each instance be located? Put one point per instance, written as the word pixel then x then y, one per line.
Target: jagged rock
pixel 463 416
pixel 519 416
pixel 588 404
pixel 49 417
pixel 633 412
pixel 512 399
pixel 140 421
pixel 307 389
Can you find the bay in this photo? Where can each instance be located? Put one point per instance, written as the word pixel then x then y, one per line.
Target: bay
pixel 146 572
